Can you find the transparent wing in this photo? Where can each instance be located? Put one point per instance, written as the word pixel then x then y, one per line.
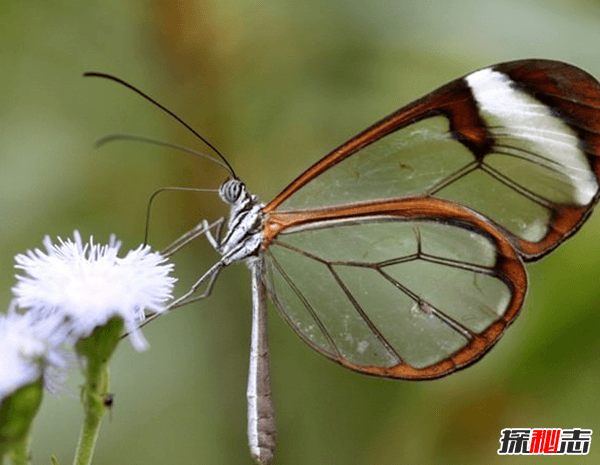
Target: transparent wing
pixel 410 289
pixel 518 142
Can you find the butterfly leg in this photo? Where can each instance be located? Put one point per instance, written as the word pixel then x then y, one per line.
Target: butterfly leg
pixel 210 276
pixel 200 229
pixel 215 240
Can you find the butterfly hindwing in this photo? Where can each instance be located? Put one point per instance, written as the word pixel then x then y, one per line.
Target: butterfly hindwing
pixel 410 289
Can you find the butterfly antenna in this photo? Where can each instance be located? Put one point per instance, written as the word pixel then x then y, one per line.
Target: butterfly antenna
pixel 166 110
pixel 136 137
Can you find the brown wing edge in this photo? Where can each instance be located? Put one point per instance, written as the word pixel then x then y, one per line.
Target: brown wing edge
pixel 565 222
pixel 508 265
pixel 573 94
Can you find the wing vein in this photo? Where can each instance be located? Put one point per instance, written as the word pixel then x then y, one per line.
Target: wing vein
pixel 447 320
pixel 518 188
pixel 439 185
pixel 306 304
pixel 365 317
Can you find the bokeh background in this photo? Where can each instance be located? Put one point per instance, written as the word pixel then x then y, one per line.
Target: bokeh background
pixel 275 85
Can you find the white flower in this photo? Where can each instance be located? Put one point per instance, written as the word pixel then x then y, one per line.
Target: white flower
pixel 29 351
pixel 87 285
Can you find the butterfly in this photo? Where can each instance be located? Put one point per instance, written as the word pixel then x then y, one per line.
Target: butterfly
pixel 401 253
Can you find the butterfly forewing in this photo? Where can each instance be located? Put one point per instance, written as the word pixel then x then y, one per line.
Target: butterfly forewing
pixel 517 142
pixel 413 289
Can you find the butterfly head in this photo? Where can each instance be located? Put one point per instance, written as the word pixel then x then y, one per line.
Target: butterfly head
pixel 232 191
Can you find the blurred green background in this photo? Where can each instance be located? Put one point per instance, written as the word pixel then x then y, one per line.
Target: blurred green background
pixel 274 85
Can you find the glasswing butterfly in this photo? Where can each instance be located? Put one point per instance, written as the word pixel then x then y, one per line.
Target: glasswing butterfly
pixel 401 253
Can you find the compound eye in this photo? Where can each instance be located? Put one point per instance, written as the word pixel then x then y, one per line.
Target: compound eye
pixel 231 191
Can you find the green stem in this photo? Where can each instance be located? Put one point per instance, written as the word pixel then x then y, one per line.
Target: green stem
pixel 96 351
pixel 93 394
